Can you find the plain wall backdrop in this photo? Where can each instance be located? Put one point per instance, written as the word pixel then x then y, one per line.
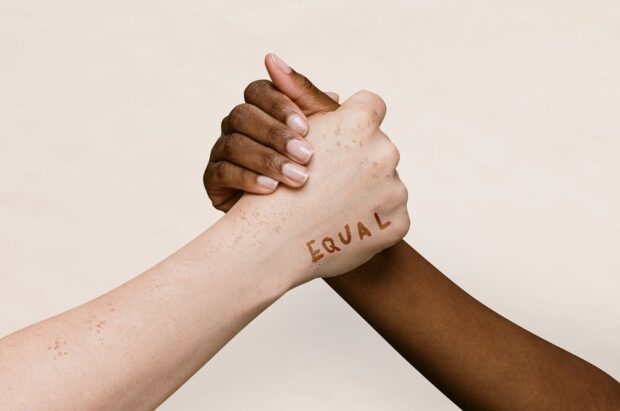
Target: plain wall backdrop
pixel 505 113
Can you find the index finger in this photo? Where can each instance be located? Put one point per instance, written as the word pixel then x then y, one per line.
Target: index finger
pixel 264 95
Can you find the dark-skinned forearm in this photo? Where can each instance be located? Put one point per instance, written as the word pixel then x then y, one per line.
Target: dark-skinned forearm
pixel 479 359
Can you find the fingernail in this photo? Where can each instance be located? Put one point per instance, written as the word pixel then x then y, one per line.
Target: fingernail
pixel 299 149
pixel 297 123
pixel 267 182
pixel 281 64
pixel 295 172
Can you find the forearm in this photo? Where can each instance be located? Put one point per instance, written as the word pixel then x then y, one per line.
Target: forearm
pixel 134 346
pixel 477 358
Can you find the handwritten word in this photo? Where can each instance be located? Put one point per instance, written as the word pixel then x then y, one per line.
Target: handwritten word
pixel 332 246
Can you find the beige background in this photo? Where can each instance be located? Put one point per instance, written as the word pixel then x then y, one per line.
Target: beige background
pixel 506 114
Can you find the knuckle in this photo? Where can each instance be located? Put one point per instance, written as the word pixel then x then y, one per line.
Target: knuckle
pixel 206 177
pixel 239 114
pixel 279 136
pixel 379 104
pixel 402 193
pixel 389 154
pixel 305 83
pixel 279 108
pixel 360 118
pixel 230 145
pixel 405 225
pixel 272 161
pixel 255 89
pixel 219 170
pixel 372 98
pixel 373 105
pixel 216 147
pixel 209 178
pixel 394 155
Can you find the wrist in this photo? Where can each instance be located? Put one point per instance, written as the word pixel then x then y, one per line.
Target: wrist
pixel 264 248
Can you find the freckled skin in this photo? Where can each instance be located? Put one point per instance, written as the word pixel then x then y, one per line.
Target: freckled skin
pixel 477 358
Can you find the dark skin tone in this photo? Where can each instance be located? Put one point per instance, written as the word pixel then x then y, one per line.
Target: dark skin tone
pixel 477 358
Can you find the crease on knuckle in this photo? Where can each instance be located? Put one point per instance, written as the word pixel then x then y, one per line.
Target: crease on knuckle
pixel 238 114
pixel 279 108
pixel 305 83
pixel 230 145
pixel 255 89
pixel 272 162
pixel 219 169
pixel 278 136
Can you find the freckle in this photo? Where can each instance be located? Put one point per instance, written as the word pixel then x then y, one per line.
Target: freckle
pixel 65 353
pixel 375 164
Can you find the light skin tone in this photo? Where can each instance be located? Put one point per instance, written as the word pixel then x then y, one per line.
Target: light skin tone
pixel 477 358
pixel 134 346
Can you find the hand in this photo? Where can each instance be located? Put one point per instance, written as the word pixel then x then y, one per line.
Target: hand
pixel 261 142
pixel 352 207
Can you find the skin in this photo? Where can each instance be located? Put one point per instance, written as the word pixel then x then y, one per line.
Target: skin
pixel 477 358
pixel 134 346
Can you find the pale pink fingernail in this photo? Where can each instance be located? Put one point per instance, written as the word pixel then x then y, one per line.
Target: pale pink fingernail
pixel 280 63
pixel 295 172
pixel 299 149
pixel 297 123
pixel 267 182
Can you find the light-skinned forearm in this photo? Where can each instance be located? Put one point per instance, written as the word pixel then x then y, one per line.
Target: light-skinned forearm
pixel 479 359
pixel 131 348
pixel 134 346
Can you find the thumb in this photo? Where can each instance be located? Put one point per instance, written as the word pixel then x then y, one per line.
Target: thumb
pixel 298 88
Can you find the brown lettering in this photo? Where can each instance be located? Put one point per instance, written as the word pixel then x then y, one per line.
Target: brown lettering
pixel 362 230
pixel 329 245
pixel 315 254
pixel 381 225
pixel 348 231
